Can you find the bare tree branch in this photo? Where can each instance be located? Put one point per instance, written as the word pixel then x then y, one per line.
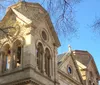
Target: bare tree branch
pixel 96 26
pixel 5 30
pixel 5 33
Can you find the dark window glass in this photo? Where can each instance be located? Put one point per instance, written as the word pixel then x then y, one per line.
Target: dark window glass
pixel 19 55
pixel 69 70
pixel 39 51
pixel 44 35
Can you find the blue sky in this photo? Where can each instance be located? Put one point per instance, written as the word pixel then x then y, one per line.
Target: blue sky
pixel 85 14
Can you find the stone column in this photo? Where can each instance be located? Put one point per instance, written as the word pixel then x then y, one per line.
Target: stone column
pixel 51 68
pixel 2 65
pixel 44 64
pixel 21 61
pixel 15 59
pixel 0 62
pixel 12 60
pixel 4 62
pixel 55 66
pixel 36 59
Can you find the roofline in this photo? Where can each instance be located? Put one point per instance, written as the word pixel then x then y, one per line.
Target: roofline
pixel 79 75
pixel 77 68
pixel 95 67
pixel 90 57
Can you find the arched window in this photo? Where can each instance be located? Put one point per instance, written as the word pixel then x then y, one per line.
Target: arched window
pixel 17 51
pixel 6 57
pixel 47 61
pixel 40 57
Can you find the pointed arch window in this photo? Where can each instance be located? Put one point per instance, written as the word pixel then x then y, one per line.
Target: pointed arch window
pixel 47 61
pixel 17 48
pixel 40 56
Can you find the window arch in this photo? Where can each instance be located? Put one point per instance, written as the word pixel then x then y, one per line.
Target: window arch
pixel 17 52
pixel 47 61
pixel 40 56
pixel 6 57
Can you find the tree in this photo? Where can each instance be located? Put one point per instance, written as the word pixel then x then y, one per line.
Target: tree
pixel 61 12
pixel 96 26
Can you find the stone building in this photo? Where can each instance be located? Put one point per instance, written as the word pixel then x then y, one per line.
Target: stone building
pixel 87 67
pixel 68 70
pixel 79 68
pixel 28 51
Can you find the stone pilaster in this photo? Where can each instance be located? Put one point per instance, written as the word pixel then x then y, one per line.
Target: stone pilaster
pixel 1 58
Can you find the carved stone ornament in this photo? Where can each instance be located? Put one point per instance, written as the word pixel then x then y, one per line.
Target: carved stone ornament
pixel 14 32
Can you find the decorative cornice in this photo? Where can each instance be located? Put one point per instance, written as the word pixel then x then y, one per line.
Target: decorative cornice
pixel 21 82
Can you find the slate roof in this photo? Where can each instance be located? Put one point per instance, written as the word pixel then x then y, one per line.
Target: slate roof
pixel 61 56
pixel 83 56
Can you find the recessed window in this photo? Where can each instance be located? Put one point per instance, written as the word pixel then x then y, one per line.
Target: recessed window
pixel 44 36
pixel 40 56
pixel 47 61
pixel 69 70
pixel 91 74
pixel 17 53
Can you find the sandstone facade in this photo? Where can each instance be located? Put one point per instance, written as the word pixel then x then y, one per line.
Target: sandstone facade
pixel 28 50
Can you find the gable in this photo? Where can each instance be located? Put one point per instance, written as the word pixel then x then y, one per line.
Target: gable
pixel 86 62
pixel 68 67
pixel 36 13
pixel 7 25
pixel 31 11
